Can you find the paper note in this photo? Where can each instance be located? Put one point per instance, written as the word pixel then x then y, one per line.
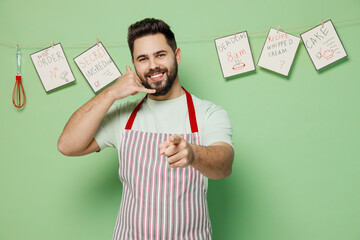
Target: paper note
pixel 279 51
pixel 323 45
pixel 234 54
pixel 52 67
pixel 97 67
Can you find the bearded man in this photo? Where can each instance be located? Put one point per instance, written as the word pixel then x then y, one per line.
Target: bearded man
pixel 168 144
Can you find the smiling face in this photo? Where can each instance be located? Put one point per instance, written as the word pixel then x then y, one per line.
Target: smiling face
pixel 155 63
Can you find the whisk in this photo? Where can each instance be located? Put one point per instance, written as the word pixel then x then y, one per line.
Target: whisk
pixel 18 97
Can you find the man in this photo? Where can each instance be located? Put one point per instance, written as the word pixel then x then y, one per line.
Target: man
pixel 168 144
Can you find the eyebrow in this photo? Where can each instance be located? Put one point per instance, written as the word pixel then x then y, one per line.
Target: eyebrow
pixel 156 53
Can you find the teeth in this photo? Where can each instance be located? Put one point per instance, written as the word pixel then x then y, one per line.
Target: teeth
pixel 157 75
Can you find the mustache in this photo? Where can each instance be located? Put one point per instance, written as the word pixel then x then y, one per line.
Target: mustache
pixel 156 70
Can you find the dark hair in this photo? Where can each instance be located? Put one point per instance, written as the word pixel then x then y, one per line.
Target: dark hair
pixel 150 26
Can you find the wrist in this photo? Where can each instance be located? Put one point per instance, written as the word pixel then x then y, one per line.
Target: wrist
pixel 192 154
pixel 110 94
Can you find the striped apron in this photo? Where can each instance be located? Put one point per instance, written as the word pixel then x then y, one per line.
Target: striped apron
pixel 159 202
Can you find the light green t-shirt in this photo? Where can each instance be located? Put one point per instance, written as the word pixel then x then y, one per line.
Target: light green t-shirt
pixel 169 116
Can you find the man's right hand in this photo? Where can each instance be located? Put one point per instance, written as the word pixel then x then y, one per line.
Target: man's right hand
pixel 77 137
pixel 126 85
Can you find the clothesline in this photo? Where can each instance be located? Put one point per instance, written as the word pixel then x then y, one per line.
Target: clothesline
pixel 178 39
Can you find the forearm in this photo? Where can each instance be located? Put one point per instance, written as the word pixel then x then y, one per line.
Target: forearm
pixel 78 135
pixel 214 161
pixel 82 125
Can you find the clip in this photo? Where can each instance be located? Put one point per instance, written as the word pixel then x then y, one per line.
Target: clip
pixel 235 33
pixel 278 29
pixel 97 40
pixel 52 43
pixel 322 23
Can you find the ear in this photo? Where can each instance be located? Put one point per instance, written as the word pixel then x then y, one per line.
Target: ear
pixel 132 60
pixel 178 55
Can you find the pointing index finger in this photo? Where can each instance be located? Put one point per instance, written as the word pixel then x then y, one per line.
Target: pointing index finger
pixel 175 139
pixel 163 146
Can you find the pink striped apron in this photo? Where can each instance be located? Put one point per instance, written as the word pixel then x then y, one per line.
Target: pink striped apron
pixel 159 202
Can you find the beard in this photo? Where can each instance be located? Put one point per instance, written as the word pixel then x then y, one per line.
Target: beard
pixel 164 86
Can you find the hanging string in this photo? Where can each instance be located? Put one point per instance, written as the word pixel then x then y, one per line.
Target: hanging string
pixel 178 39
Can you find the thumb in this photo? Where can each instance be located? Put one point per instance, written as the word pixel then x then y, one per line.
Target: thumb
pixel 128 69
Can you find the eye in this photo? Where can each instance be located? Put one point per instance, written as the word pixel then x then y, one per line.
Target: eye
pixel 161 55
pixel 142 59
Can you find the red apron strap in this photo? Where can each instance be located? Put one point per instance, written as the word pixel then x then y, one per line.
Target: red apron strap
pixel 191 110
pixel 133 115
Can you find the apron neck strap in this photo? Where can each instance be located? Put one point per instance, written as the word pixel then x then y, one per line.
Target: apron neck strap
pixel 191 110
pixel 133 115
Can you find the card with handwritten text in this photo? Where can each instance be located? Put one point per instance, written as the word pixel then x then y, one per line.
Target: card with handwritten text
pixel 279 51
pixel 52 67
pixel 234 54
pixel 97 67
pixel 323 45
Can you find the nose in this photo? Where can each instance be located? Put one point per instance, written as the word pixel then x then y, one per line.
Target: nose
pixel 153 64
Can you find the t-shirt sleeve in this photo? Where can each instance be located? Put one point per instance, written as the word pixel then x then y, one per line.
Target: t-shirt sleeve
pixel 104 135
pixel 216 126
pixel 111 127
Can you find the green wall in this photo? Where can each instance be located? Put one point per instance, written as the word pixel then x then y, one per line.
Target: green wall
pixel 296 170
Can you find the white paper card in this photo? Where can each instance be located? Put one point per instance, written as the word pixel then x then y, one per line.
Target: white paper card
pixel 52 67
pixel 234 54
pixel 323 45
pixel 97 67
pixel 279 51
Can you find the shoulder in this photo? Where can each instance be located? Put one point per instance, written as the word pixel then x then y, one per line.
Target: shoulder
pixel 124 106
pixel 205 107
pixel 213 121
pixel 121 109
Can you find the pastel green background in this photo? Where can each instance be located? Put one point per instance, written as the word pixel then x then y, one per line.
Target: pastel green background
pixel 297 161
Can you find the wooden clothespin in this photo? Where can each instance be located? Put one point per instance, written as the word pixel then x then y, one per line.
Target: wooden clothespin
pixel 52 43
pixel 278 29
pixel 322 23
pixel 97 40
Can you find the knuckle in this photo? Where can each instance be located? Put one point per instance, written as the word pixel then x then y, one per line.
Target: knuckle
pixel 167 152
